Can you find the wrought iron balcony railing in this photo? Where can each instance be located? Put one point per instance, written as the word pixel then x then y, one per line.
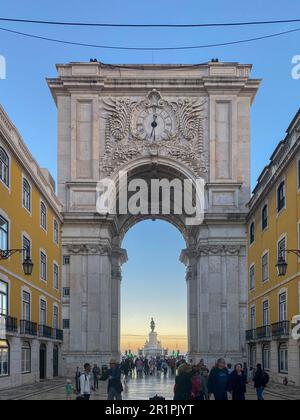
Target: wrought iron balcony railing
pixel 250 335
pixel 281 329
pixel 28 328
pixel 45 331
pixel 58 334
pixel 263 333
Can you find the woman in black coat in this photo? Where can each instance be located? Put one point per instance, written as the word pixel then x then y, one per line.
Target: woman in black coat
pixel 238 384
pixel 183 384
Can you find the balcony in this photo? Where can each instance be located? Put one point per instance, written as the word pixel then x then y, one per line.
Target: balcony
pixel 11 324
pixel 263 333
pixel 58 334
pixel 250 335
pixel 45 332
pixel 28 328
pixel 281 330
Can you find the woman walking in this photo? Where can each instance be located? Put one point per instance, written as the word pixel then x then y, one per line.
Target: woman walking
pixel 218 381
pixel 237 384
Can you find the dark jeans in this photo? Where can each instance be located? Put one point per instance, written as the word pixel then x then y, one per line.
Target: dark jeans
pixel 86 397
pixel 221 396
pixel 238 396
pixel 96 383
pixel 260 393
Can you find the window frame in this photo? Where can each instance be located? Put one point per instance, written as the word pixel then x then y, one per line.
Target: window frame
pixel 43 310
pixel 55 231
pixel 252 285
pixel 283 306
pixel 252 233
pixel 43 215
pixel 6 296
pixel 267 273
pixel 26 305
pixel 4 233
pixel 5 168
pixel 281 202
pixel 28 201
pixel 26 361
pixel 43 268
pixel 283 362
pixel 265 220
pixel 266 350
pixel 8 358
pixel 56 285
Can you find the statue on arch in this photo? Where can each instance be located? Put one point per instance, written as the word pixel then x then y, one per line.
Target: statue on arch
pixel 152 325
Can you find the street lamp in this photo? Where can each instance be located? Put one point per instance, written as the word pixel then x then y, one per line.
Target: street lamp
pixel 27 263
pixel 282 264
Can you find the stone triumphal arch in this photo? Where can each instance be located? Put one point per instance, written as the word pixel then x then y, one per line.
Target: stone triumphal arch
pixel 202 130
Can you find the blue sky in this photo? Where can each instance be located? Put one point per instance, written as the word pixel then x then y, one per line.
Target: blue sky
pixel 25 95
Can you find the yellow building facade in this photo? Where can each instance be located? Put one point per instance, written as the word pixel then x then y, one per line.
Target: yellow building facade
pixel 273 236
pixel 30 226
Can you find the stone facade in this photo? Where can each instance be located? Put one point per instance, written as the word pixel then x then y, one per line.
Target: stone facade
pixel 104 126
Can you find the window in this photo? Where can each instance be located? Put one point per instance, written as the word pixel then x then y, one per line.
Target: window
pixel 266 357
pixel 66 292
pixel 43 312
pixel 55 276
pixel 283 359
pixel 66 324
pixel 264 217
pixel 43 270
pixel 266 313
pixel 3 234
pixel 26 195
pixel 26 248
pixel 265 267
pixel 55 317
pixel 26 358
pixel 43 216
pixel 55 232
pixel 4 358
pixel 3 298
pixel 26 306
pixel 4 167
pixel 283 307
pixel 281 249
pixel 281 196
pixel 299 174
pixel 252 277
pixel 253 318
pixel 66 260
pixel 252 233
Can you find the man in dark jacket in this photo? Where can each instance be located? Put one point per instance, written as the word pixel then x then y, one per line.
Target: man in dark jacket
pixel 261 379
pixel 218 381
pixel 115 387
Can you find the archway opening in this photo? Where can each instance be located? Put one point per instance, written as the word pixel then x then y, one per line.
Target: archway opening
pixel 154 286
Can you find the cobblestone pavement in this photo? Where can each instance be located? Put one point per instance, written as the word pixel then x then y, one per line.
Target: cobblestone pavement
pixel 136 389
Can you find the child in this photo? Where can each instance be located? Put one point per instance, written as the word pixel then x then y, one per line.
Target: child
pixel 69 390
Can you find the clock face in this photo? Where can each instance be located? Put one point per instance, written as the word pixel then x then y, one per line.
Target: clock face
pixel 154 124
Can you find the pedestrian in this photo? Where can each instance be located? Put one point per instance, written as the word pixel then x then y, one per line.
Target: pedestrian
pixel 115 388
pixel 199 386
pixel 139 368
pixel 165 367
pixel 77 380
pixel 69 390
pixel 96 376
pixel 261 380
pixel 246 372
pixel 85 383
pixel 237 383
pixel 183 383
pixel 173 366
pixel 218 381
pixel 229 368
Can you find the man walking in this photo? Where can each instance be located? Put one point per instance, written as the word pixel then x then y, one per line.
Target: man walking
pixel 85 383
pixel 115 387
pixel 96 376
pixel 261 380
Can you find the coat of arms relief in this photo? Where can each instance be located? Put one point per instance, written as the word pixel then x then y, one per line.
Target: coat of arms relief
pixel 154 126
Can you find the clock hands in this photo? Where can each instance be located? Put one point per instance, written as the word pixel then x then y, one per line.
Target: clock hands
pixel 154 125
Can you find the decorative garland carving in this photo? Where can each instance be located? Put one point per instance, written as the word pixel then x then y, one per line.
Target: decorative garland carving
pixel 181 140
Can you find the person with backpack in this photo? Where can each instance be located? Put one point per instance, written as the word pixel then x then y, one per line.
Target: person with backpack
pixel 199 386
pixel 85 383
pixel 261 380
